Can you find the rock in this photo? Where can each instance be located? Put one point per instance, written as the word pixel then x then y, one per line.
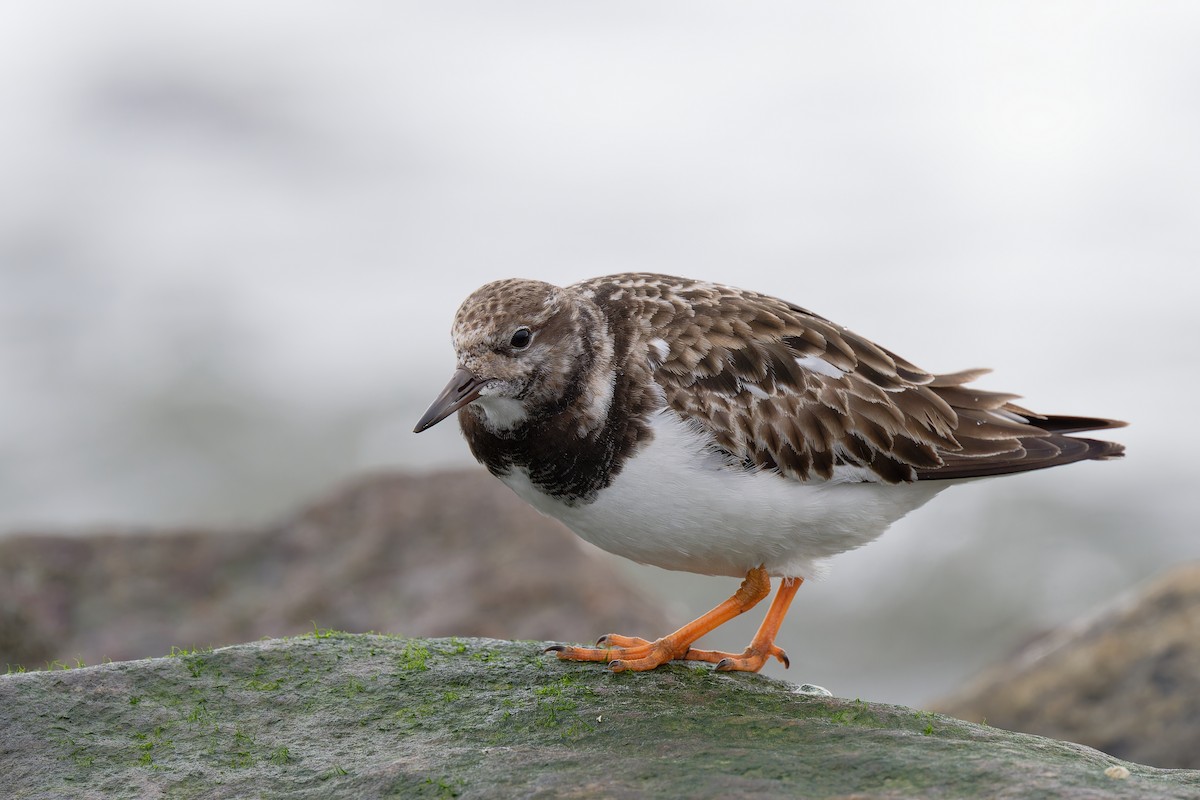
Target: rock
pixel 22 641
pixel 366 716
pixel 1125 681
pixel 439 554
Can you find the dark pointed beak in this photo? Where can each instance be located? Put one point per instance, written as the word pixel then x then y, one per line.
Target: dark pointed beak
pixel 463 387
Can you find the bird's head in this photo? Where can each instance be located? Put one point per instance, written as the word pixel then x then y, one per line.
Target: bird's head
pixel 524 347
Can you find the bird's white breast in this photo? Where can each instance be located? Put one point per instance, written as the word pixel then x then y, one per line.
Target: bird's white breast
pixel 676 504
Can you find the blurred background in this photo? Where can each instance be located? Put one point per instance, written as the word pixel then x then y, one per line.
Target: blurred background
pixel 233 236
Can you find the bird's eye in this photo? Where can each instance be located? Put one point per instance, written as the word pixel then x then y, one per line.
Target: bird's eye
pixel 521 339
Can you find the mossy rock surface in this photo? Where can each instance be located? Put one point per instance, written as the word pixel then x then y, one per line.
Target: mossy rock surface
pixel 362 716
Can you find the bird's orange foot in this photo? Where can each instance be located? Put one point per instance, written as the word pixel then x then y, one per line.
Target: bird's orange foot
pixel 752 659
pixel 631 653
pixel 623 653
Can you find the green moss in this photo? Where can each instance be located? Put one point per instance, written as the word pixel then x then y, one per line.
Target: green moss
pixel 199 714
pixel 241 751
pixel 180 652
pixel 333 772
pixel 438 787
pixel 414 657
pixel 325 633
pixel 79 751
pixel 51 666
pixel 148 746
pixel 197 662
pixel 343 715
pixel 280 756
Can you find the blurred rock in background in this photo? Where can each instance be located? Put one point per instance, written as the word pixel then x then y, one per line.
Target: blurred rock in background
pixel 450 553
pixel 1125 681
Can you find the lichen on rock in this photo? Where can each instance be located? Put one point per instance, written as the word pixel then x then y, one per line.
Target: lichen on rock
pixel 360 716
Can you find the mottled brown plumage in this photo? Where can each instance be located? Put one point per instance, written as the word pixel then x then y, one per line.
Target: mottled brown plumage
pixel 734 365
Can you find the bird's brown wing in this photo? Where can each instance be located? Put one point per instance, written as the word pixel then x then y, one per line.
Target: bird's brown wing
pixel 778 387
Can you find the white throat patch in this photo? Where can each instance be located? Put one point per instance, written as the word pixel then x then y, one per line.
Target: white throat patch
pixel 501 413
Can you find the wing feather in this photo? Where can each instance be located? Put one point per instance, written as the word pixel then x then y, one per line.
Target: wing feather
pixel 740 366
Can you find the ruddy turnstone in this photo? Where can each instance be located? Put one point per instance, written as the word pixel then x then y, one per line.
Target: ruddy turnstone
pixel 698 427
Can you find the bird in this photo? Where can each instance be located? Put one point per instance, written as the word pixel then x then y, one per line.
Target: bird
pixel 699 427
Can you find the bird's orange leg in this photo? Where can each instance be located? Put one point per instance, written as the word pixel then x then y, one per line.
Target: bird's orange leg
pixel 762 646
pixel 631 653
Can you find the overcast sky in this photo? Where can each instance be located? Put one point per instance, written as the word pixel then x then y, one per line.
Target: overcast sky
pixel 228 209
